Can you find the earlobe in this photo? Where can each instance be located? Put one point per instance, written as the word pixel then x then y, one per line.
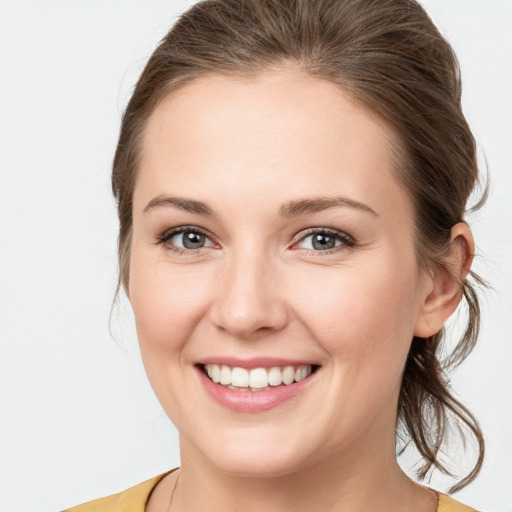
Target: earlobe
pixel 444 291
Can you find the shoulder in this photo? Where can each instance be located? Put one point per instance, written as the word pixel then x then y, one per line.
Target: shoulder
pixel 448 504
pixel 131 500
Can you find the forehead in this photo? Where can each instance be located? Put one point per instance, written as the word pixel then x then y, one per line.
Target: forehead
pixel 280 127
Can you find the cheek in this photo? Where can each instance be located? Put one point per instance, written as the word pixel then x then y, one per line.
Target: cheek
pixel 361 317
pixel 167 304
pixel 364 322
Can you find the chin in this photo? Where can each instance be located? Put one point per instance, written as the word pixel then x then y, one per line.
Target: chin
pixel 259 465
pixel 247 454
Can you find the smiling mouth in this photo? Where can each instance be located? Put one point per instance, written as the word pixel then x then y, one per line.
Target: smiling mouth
pixel 257 379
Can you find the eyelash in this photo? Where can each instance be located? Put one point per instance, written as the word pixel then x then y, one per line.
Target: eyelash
pixel 164 238
pixel 346 240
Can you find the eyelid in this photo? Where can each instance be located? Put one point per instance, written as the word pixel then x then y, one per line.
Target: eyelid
pixel 347 241
pixel 169 233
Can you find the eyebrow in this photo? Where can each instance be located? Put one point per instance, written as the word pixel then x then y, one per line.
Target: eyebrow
pixel 317 204
pixel 189 205
pixel 290 209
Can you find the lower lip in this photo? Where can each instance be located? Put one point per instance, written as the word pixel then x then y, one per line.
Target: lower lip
pixel 253 401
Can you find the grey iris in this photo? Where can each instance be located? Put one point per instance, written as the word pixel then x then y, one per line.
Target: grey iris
pixel 323 242
pixel 193 240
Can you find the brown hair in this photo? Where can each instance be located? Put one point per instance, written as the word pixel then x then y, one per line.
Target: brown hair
pixel 389 56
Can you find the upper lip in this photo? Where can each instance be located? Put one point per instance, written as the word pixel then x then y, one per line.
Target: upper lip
pixel 253 362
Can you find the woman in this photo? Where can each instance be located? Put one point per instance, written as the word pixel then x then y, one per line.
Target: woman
pixel 292 178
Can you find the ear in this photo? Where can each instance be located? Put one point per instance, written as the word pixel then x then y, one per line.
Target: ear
pixel 443 290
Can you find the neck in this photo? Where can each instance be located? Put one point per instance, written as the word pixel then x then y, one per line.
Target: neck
pixel 362 479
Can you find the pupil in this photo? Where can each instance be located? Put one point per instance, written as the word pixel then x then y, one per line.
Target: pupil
pixel 323 242
pixel 193 240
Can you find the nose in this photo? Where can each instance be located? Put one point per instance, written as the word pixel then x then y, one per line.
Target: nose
pixel 250 300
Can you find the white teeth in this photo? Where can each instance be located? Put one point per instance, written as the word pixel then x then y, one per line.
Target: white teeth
pixel 235 388
pixel 215 375
pixel 240 377
pixel 213 371
pixel 225 375
pixel 288 375
pixel 275 376
pixel 256 379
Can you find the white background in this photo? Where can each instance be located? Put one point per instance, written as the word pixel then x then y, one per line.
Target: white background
pixel 78 419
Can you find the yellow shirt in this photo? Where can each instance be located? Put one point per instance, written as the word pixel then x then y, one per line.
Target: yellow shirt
pixel 134 500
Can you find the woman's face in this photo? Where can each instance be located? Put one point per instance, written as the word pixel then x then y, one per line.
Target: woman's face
pixel 269 232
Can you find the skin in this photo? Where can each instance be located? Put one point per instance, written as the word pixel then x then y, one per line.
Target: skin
pixel 247 148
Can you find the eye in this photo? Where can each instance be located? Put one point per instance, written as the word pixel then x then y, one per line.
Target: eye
pixel 185 238
pixel 323 240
